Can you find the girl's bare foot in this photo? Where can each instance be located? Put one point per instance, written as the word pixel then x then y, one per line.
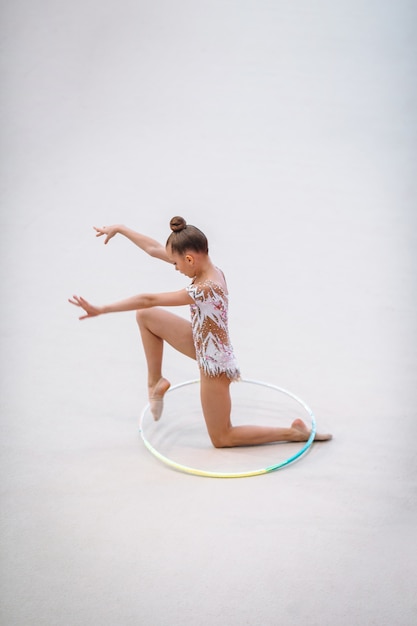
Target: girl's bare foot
pixel 156 397
pixel 304 432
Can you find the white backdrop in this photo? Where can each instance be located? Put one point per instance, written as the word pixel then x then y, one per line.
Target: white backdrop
pixel 287 132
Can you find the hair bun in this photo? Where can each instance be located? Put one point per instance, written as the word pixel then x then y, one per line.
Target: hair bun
pixel 177 224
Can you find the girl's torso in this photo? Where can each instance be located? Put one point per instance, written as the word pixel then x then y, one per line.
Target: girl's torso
pixel 209 319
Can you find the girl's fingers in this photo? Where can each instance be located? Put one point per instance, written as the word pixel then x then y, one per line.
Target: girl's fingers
pixel 105 230
pixel 90 310
pixel 78 301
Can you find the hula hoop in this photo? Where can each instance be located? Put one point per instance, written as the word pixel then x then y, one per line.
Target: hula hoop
pixel 207 473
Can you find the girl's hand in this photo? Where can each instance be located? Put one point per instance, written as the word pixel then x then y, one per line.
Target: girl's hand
pixel 91 311
pixel 109 231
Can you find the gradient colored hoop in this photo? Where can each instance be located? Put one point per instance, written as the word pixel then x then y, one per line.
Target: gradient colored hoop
pixel 257 472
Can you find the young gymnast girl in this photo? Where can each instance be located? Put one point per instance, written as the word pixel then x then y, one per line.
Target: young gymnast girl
pixel 204 338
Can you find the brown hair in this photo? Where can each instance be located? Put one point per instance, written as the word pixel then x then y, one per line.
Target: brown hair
pixel 186 237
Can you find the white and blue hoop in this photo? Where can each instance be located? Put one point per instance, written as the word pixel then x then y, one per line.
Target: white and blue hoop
pixel 210 474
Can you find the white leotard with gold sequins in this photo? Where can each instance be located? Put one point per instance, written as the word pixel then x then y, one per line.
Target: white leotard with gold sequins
pixel 209 321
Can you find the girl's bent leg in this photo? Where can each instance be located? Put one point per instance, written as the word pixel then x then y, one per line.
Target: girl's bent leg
pixel 156 326
pixel 216 404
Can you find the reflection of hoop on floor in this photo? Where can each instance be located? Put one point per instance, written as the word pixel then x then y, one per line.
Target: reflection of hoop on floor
pixel 241 474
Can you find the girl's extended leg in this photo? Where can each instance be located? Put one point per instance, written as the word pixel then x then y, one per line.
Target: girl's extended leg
pixel 156 326
pixel 216 404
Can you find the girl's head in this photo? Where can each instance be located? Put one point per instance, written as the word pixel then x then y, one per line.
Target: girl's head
pixel 186 238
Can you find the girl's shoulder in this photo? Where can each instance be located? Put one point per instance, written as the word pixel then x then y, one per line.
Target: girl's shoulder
pixel 207 287
pixel 216 282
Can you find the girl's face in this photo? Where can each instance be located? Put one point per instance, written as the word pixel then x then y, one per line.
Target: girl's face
pixel 183 263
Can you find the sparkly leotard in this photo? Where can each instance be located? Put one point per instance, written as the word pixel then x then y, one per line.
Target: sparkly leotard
pixel 209 321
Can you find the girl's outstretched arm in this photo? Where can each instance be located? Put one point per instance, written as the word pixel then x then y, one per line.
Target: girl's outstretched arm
pixel 147 244
pixel 141 301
